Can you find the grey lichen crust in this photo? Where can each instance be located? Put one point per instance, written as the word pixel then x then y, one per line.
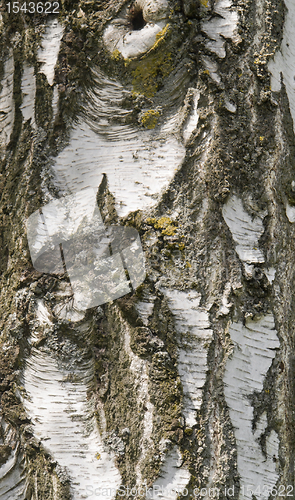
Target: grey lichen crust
pixel 234 143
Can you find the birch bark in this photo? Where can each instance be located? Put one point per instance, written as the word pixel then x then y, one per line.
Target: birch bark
pixel 180 116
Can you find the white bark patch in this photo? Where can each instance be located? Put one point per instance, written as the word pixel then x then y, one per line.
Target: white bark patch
pixel 42 324
pixel 54 103
pixel 64 422
pixel 193 327
pixel 245 230
pixel 290 212
pixel 137 169
pixel 132 43
pixel 284 60
pixel 145 307
pixel 220 27
pixel 226 305
pixel 193 119
pixel 254 350
pixel 28 87
pixel 12 483
pixel 173 478
pixel 43 320
pixel 230 106
pixel 42 313
pixel 48 52
pixel 138 163
pixel 212 69
pixel 270 274
pixel 6 101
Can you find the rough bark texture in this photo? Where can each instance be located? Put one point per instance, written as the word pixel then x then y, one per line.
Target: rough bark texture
pixel 187 383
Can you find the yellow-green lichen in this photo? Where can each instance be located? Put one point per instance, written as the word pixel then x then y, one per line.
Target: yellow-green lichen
pixel 153 67
pixel 160 36
pixel 161 223
pixel 127 61
pixel 116 55
pixel 169 231
pixel 167 225
pixel 150 118
pixel 149 73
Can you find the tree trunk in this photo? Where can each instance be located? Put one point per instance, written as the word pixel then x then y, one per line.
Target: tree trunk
pixel 180 117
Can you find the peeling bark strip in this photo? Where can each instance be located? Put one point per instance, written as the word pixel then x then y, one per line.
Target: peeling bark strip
pixel 192 324
pixel 173 478
pixel 254 349
pixel 282 65
pixel 28 89
pixel 6 101
pixel 49 49
pixel 246 232
pixel 64 422
pixel 180 116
